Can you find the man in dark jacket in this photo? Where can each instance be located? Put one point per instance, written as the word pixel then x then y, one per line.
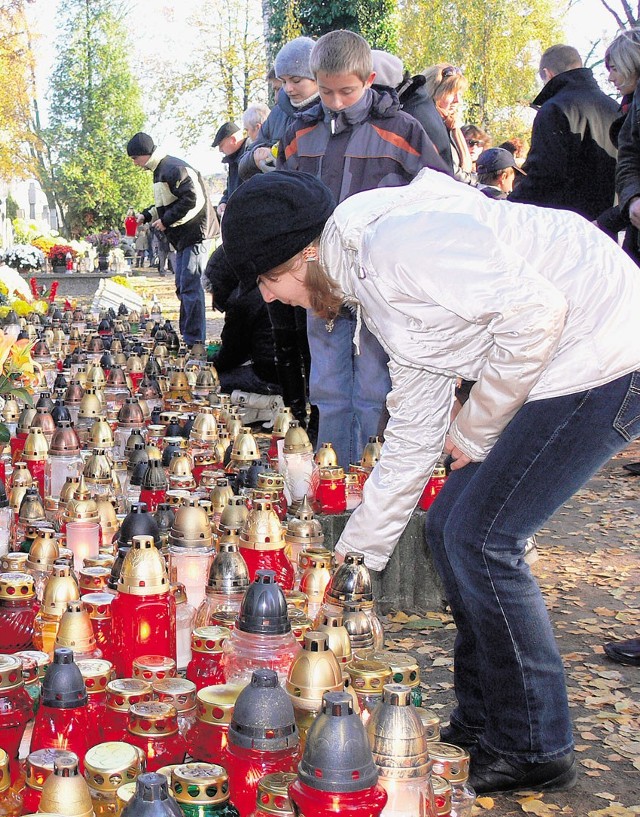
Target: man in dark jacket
pixel 571 163
pixel 184 213
pixel 232 144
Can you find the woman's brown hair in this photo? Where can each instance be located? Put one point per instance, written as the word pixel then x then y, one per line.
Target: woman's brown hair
pixel 325 295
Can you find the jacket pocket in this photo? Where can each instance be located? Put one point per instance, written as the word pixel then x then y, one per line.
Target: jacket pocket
pixel 627 421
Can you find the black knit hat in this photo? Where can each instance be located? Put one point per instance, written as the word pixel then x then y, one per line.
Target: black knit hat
pixel 140 145
pixel 272 217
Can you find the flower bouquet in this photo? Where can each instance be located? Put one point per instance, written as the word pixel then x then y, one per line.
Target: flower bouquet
pixel 23 257
pixel 57 255
pixel 18 373
pixel 105 241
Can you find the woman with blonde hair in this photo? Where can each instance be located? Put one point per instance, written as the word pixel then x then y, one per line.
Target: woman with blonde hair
pixel 622 60
pixel 446 84
pixel 539 308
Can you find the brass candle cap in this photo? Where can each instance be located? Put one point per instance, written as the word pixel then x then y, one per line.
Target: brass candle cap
pixel 123 692
pixel 36 447
pixel 450 762
pixel 262 529
pixel 215 704
pixel 153 719
pixel 178 692
pixel 97 672
pixel 326 456
pixel 371 452
pixel 143 571
pixel 153 668
pixel 39 765
pixel 65 791
pixel 14 586
pixel 221 495
pixel 107 766
pixel 304 529
pixel 10 672
pixel 296 440
pixel 273 794
pixel 314 671
pixel 368 676
pixel 200 783
pixel 76 630
pixel 60 589
pixel 209 639
pixel 403 666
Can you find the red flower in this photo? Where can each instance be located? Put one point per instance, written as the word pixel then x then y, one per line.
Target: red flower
pixel 34 287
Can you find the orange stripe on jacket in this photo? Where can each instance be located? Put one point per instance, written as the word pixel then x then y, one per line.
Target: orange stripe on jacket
pixel 396 140
pixel 292 147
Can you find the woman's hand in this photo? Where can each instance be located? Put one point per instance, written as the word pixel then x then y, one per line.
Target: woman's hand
pixel 459 458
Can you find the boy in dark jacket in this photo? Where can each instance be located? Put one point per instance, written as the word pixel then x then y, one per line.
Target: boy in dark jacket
pixel 357 139
pixel 183 212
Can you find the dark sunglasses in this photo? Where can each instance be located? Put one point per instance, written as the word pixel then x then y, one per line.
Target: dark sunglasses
pixel 473 143
pixel 450 71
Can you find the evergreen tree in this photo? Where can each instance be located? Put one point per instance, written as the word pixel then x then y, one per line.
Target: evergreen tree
pixel 95 108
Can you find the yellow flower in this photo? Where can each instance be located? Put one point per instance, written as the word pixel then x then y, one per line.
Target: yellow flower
pixel 6 343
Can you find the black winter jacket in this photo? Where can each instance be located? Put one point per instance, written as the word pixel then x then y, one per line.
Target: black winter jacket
pixel 246 334
pixel 272 130
pixel 571 163
pixel 233 177
pixel 181 201
pixel 415 101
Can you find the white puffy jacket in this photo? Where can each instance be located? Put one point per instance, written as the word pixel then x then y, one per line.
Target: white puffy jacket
pixel 530 302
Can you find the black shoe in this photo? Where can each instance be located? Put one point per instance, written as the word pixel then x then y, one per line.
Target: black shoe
pixel 633 468
pixel 624 652
pixel 490 773
pixel 458 736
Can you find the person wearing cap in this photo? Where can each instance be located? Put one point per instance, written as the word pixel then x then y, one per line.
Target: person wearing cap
pixel 183 212
pixel 232 144
pixel 496 169
pixel 537 306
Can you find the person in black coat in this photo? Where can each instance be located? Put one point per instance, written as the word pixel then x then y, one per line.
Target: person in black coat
pixel 246 358
pixel 232 144
pixel 571 163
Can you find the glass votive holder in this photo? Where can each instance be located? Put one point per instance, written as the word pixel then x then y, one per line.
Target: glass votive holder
pixel 83 539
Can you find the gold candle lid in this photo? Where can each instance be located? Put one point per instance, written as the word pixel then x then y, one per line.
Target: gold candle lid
pixel 66 791
pixel 144 572
pixel 21 477
pixel 97 672
pixel 368 676
pixel 339 641
pixel 98 605
pixel 39 765
pixel 315 556
pixel 5 776
pixel 14 562
pixel 44 550
pixel 10 672
pixel 297 600
pixel 300 624
pixel 296 440
pixel 124 794
pixel 404 668
pixel 200 783
pixel 75 630
pixel 209 639
pixel 123 692
pixel 178 692
pixel 273 794
pixel 215 704
pixel 153 719
pixel 449 761
pixel 262 529
pixel 332 473
pixel 110 765
pixel 93 579
pixel 101 560
pixel 14 586
pixel 36 447
pixel 154 668
pixel 225 617
pixel 68 489
pixel 41 658
pixel 431 723
pixel 442 792
pixel 326 456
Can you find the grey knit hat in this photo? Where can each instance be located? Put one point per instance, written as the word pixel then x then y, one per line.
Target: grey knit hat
pixel 388 68
pixel 293 58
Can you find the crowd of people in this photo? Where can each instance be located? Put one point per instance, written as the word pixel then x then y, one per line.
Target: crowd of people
pixel 418 282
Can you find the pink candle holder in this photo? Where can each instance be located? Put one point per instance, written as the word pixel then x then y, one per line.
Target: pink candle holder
pixel 83 539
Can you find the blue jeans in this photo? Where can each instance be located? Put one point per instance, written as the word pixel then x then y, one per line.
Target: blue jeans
pixel 508 674
pixel 190 264
pixel 349 390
